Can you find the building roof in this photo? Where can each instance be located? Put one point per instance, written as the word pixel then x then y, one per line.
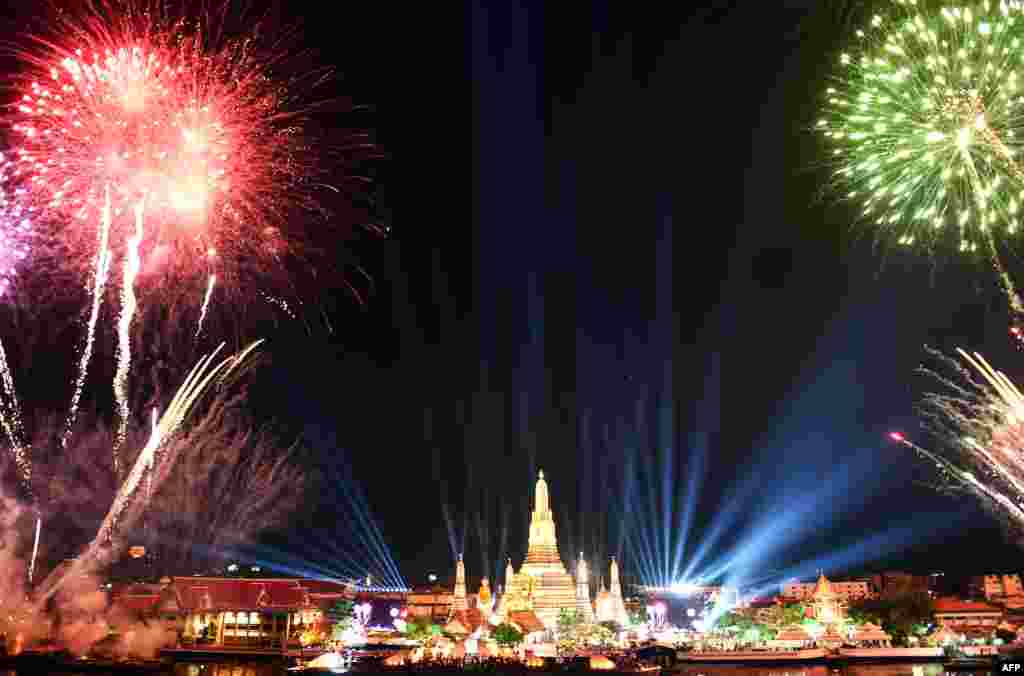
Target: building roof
pixel 466 621
pixel 954 605
pixel 210 593
pixel 527 621
pixel 823 587
pixel 871 632
pixel 324 587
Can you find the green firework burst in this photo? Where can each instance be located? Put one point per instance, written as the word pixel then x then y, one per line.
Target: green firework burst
pixel 925 122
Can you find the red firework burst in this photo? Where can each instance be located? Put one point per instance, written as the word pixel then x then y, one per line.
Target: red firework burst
pixel 162 113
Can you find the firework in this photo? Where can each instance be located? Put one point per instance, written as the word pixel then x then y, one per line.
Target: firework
pixel 35 549
pixel 199 127
pixel 925 120
pixel 124 325
pixel 206 304
pixel 102 269
pixel 980 417
pixel 204 377
pixel 15 234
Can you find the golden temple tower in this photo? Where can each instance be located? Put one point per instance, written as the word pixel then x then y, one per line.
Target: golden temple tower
pixel 583 606
pixel 459 600
pixel 542 585
pixel 484 600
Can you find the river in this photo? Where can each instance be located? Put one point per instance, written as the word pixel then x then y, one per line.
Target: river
pixel 241 668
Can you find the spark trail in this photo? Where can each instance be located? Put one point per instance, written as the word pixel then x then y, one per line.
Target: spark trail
pixel 206 303
pixel 204 377
pixel 35 549
pixel 99 285
pixel 129 303
pixel 980 417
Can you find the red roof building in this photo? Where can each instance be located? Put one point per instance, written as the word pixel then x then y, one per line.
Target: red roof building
pixel 266 612
pixel 960 614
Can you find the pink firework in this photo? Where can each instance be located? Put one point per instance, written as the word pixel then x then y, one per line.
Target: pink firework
pixel 192 128
pixel 15 238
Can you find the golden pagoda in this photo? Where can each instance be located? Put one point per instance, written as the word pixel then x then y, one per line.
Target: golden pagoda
pixel 484 600
pixel 827 609
pixel 542 584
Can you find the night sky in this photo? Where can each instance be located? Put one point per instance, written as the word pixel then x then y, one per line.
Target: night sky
pixel 616 262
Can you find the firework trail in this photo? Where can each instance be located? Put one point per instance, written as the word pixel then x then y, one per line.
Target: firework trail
pixel 10 419
pixel 204 377
pixel 35 549
pixel 925 119
pixel 99 285
pixel 980 417
pixel 206 303
pixel 124 349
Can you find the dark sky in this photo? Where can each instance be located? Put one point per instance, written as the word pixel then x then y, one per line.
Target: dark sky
pixel 613 262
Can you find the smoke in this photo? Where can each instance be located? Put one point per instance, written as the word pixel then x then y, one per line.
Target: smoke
pixel 80 616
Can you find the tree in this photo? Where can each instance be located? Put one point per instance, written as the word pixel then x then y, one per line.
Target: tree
pixel 568 620
pixel 734 623
pixel 507 636
pixel 1006 635
pixel 421 630
pixel 899 615
pixel 793 613
pixel 340 617
pixel 604 634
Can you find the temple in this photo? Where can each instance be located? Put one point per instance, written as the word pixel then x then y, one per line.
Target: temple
pixel 583 605
pixel 542 584
pixel 610 606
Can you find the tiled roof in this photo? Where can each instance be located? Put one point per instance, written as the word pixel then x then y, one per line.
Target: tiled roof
pixel 323 587
pixel 527 621
pixel 229 594
pixel 952 605
pixel 470 619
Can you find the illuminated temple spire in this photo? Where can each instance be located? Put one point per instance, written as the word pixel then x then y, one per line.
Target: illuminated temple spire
pixel 543 546
pixel 616 588
pixel 583 606
pixel 460 585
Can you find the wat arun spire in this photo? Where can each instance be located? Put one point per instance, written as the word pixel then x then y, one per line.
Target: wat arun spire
pixel 542 584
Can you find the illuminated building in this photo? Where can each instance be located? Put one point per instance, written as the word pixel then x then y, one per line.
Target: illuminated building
pixel 583 606
pixel 1002 586
pixel 844 591
pixel 895 583
pixel 431 602
pixel 484 600
pixel 217 611
pixel 825 603
pixel 460 585
pixel 609 604
pixel 542 584
pixel 963 615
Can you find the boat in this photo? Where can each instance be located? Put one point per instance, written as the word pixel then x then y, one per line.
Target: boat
pixel 755 656
pixel 985 663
